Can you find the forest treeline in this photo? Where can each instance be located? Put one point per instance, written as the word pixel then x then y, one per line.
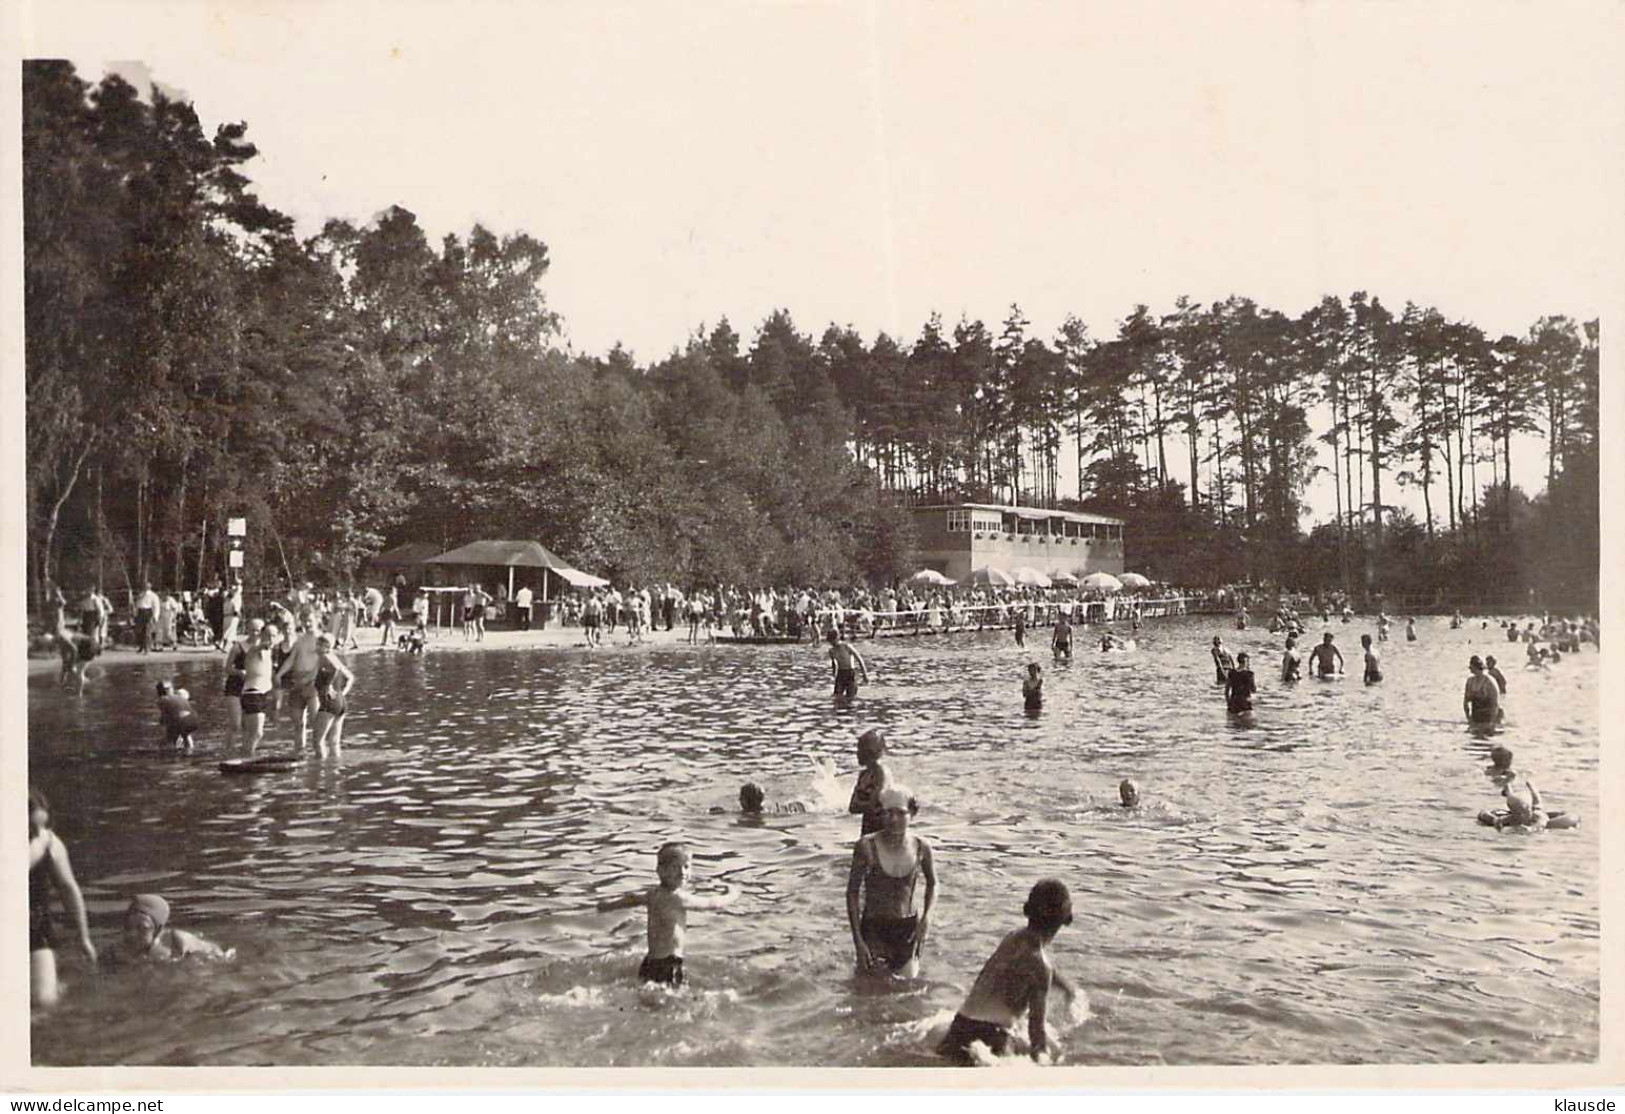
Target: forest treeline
pixel 191 358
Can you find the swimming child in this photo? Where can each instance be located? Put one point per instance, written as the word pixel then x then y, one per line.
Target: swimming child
pixel 1320 658
pixel 1495 671
pixel 668 905
pixel 1223 663
pixel 1500 768
pixel 888 929
pixel 1240 686
pixel 176 716
pixel 1480 700
pixel 1016 979
pixel 872 778
pixel 49 870
pixel 841 658
pixel 1290 661
pixel 1128 793
pixel 1032 689
pixel 1373 664
pixel 753 802
pixel 148 935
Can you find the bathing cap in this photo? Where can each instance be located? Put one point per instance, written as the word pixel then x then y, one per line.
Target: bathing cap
pixel 1475 662
pixel 153 906
pixel 1049 904
pixel 894 796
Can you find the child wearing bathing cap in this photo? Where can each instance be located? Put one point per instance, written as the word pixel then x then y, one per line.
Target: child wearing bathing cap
pixel 148 935
pixel 1128 793
pixel 1016 979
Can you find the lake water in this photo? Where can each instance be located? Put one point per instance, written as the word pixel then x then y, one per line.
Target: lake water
pixel 1312 888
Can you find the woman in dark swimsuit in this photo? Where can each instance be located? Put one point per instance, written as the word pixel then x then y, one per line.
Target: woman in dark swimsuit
pixel 887 933
pixel 333 683
pixel 49 869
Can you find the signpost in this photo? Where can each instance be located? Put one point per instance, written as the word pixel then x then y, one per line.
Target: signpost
pixel 236 537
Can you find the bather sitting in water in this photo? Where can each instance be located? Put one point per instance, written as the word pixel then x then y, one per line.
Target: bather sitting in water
pixel 1525 814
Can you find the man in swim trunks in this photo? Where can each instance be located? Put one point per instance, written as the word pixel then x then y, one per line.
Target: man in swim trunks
pixel 841 659
pixel 257 682
pixel 1373 663
pixel 1320 658
pixel 668 905
pixel 1061 641
pixel 887 931
pixel 1481 700
pixel 1016 979
pixel 1290 661
pixel 298 674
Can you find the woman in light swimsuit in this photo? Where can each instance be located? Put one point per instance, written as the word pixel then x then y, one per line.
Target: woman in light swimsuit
pixel 887 931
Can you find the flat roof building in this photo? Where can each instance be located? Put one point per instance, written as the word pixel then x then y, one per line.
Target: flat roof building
pixel 956 538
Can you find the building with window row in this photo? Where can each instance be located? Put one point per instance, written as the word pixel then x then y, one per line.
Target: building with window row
pixel 956 538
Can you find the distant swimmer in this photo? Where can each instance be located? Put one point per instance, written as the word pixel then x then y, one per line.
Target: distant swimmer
pixel 1290 662
pixel 753 802
pixel 1481 700
pixel 1223 663
pixel 1128 793
pixel 1016 979
pixel 1410 630
pixel 1240 686
pixel 888 922
pixel 873 776
pixel 1060 642
pixel 1383 625
pixel 1241 619
pixel 1321 657
pixel 668 905
pixel 1021 626
pixel 1455 620
pixel 1373 663
pixel 842 657
pixel 1032 688
pixel 1495 671
pixel 1500 768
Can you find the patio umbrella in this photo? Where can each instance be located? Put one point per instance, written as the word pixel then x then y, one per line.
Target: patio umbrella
pixel 1066 579
pixel 989 575
pixel 1134 580
pixel 929 576
pixel 1103 581
pixel 1031 576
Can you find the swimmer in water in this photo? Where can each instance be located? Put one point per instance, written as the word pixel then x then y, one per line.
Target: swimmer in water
pixel 1373 663
pixel 668 905
pixel 1500 768
pixel 176 716
pixel 1060 642
pixel 1480 700
pixel 842 656
pixel 1128 793
pixel 1495 671
pixel 1320 658
pixel 1290 662
pixel 872 778
pixel 888 929
pixel 1016 979
pixel 148 935
pixel 1383 624
pixel 1223 663
pixel 1021 626
pixel 753 802
pixel 1240 686
pixel 1410 630
pixel 1032 688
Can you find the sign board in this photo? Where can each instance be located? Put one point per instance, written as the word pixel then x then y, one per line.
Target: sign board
pixel 236 556
pixel 237 527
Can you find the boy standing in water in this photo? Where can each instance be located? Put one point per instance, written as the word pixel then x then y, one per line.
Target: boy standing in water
pixel 872 778
pixel 668 906
pixel 1320 658
pixel 1016 979
pixel 1373 664
pixel 841 658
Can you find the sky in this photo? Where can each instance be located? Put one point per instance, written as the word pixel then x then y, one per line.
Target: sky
pixel 866 164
